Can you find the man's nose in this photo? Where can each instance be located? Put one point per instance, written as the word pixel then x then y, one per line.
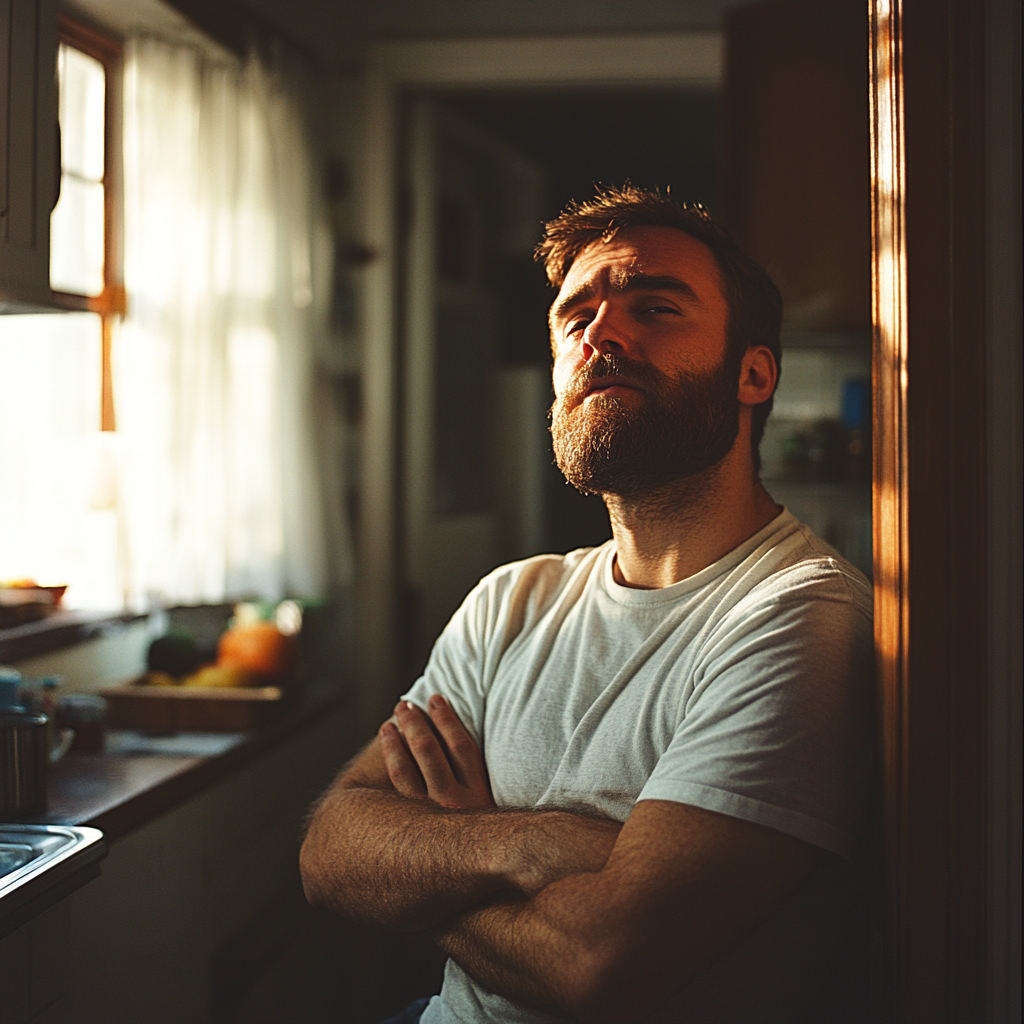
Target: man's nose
pixel 608 332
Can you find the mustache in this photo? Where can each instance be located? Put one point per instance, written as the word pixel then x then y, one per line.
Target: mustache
pixel 608 366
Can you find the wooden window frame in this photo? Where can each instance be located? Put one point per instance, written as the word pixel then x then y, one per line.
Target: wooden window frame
pixel 110 303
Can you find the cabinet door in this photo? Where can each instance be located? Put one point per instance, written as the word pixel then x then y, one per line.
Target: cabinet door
pixel 28 149
pixel 796 189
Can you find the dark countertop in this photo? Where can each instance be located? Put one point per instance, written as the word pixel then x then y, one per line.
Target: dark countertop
pixel 58 630
pixel 120 790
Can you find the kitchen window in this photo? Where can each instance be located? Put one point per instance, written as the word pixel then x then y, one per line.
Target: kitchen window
pixel 190 250
pixel 57 524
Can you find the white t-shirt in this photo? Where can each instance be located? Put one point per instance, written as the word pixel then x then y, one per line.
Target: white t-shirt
pixel 744 689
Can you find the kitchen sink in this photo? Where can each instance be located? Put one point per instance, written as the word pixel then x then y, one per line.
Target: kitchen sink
pixel 41 864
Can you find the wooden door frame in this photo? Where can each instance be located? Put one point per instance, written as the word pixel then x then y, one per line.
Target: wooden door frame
pixel 647 60
pixel 938 519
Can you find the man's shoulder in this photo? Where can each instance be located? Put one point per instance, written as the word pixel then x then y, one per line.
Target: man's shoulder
pixel 543 571
pixel 794 563
pixel 514 596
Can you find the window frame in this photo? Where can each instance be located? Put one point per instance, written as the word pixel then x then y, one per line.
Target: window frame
pixel 110 303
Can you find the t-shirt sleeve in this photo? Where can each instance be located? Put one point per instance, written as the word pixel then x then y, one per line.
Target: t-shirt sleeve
pixel 777 729
pixel 456 665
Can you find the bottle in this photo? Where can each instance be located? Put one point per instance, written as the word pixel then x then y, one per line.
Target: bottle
pixel 856 416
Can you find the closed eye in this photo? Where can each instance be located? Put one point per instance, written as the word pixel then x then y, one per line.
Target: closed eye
pixel 577 324
pixel 658 309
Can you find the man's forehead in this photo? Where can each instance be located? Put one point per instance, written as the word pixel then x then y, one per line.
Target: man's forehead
pixel 653 251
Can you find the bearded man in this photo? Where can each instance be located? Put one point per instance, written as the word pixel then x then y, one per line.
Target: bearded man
pixel 631 781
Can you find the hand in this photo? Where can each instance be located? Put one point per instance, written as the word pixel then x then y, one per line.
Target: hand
pixel 434 758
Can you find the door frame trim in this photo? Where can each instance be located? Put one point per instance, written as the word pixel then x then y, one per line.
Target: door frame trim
pixel 946 526
pixel 890 481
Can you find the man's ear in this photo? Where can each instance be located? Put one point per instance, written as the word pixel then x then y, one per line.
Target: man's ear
pixel 758 374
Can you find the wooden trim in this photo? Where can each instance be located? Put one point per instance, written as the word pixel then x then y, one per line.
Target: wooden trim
pixel 928 172
pixel 88 40
pixel 1005 493
pixel 108 420
pixel 889 386
pixel 111 300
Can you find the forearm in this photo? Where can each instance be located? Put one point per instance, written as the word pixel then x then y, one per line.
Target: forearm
pixel 681 886
pixel 542 952
pixel 381 858
pixel 409 864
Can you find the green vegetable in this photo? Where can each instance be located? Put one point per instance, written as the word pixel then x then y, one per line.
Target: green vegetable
pixel 176 654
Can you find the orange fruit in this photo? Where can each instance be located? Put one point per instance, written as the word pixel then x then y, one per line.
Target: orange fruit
pixel 258 647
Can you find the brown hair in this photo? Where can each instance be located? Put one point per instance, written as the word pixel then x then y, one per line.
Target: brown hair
pixel 755 305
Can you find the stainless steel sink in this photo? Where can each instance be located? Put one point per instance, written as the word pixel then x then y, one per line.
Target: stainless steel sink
pixel 40 864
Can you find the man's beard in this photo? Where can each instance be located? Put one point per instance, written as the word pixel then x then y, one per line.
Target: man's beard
pixel 674 429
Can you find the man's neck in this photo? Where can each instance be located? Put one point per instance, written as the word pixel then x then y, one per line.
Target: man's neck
pixel 676 532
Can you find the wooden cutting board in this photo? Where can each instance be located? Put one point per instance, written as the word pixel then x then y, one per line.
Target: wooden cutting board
pixel 137 705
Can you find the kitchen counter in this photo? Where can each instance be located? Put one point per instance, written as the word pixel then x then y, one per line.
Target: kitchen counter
pixel 199 899
pixel 140 777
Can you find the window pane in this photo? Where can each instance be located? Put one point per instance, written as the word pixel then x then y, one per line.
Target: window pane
pixel 56 526
pixel 76 238
pixel 82 86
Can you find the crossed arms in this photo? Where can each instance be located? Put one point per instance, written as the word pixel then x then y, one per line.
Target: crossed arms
pixel 553 910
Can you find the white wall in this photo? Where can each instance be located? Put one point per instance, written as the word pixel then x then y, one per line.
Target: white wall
pixel 115 657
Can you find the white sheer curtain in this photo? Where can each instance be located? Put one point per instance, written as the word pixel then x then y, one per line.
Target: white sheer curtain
pixel 215 390
pixel 57 525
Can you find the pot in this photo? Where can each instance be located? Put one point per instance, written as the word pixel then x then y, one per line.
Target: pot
pixel 24 757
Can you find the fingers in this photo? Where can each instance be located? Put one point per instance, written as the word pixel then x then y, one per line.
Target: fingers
pixel 463 754
pixel 425 747
pixel 447 757
pixel 402 770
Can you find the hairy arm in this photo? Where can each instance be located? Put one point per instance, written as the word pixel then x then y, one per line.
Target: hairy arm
pixel 550 909
pixel 405 840
pixel 681 886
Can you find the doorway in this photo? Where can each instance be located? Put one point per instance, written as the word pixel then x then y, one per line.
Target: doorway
pixel 484 171
pixel 399 73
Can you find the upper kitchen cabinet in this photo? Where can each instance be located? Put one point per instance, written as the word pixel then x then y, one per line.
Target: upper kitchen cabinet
pixel 29 156
pixel 796 177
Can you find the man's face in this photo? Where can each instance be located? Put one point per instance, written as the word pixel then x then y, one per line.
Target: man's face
pixel 644 392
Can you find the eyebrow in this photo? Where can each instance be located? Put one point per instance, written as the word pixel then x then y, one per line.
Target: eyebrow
pixel 625 282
